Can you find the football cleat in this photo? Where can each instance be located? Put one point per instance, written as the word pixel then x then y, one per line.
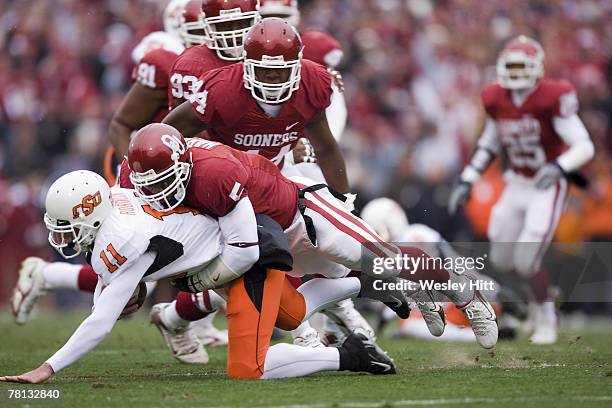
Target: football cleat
pixel 394 299
pixel 30 287
pixel 432 311
pixel 545 324
pixel 483 320
pixel 309 338
pixel 358 353
pixel 183 343
pixel 347 319
pixel 208 334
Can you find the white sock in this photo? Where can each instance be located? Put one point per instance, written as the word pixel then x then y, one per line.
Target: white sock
pixel 171 318
pixel 287 360
pixel 61 275
pixel 207 321
pixel 321 293
pixel 150 287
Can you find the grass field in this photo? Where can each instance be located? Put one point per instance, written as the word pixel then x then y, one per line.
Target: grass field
pixel 132 368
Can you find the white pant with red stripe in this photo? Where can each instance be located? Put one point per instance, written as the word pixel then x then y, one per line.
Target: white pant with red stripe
pixel 523 223
pixel 340 236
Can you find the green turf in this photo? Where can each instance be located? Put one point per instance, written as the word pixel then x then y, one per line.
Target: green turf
pixel 133 368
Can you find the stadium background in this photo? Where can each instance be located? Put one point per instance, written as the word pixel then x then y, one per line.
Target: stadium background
pixel 413 71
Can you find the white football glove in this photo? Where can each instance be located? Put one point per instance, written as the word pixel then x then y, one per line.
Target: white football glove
pixel 459 196
pixel 547 175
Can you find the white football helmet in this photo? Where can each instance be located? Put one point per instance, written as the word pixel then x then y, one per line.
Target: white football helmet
pixel 386 217
pixel 183 20
pixel 520 64
pixel 173 14
pixel 285 9
pixel 76 205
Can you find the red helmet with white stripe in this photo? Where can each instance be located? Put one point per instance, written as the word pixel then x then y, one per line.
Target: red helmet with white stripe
pixel 520 64
pixel 160 162
pixel 226 22
pixel 285 9
pixel 272 44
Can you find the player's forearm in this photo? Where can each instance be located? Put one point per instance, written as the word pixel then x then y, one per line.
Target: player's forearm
pixel 481 159
pixel 120 138
pixel 574 134
pixel 185 120
pixel 239 229
pixel 486 150
pixel 334 170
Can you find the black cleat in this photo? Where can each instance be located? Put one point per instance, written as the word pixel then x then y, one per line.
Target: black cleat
pixel 360 354
pixel 395 300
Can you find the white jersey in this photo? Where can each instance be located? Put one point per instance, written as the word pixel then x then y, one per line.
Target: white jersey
pixel 135 244
pixel 155 40
pixel 182 239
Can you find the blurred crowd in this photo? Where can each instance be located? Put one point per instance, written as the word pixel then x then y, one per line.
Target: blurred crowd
pixel 413 71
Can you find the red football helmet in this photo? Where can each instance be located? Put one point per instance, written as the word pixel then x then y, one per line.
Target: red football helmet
pixel 161 165
pixel 322 48
pixel 226 22
pixel 272 44
pixel 520 64
pixel 285 9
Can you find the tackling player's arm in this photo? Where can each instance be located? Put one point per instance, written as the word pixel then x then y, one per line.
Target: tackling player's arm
pixel 221 191
pixel 328 153
pixel 138 109
pixel 185 120
pixel 91 332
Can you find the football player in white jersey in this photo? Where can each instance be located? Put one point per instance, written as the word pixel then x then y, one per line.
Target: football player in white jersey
pixel 128 243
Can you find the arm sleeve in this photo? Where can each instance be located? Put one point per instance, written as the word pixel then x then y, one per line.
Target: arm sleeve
pixel 487 148
pixel 239 253
pixel 108 307
pixel 239 229
pixel 337 113
pixel 574 134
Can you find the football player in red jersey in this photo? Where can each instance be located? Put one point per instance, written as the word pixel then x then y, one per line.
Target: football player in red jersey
pixel 534 122
pixel 224 24
pixel 323 49
pixel 146 101
pixel 275 96
pixel 324 237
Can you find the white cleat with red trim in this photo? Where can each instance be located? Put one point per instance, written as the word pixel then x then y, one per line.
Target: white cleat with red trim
pixel 30 287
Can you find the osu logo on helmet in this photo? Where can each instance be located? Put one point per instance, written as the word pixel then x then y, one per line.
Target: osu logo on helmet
pixel 87 205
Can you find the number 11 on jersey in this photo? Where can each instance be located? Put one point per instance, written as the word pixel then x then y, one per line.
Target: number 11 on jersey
pixel 117 257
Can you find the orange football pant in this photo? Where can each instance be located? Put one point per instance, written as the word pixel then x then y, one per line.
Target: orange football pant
pixel 250 327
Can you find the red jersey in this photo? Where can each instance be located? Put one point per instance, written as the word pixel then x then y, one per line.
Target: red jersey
pixel 234 118
pixel 188 67
pixel 153 71
pixel 526 132
pixel 221 176
pixel 321 48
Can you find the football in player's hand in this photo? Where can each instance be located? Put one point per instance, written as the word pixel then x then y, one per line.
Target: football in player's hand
pixel 136 301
